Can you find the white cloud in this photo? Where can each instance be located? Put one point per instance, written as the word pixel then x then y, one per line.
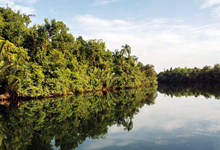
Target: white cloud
pixel 28 2
pixel 162 42
pixel 52 10
pixel 12 2
pixel 214 5
pixel 4 2
pixel 24 9
pixel 216 11
pixel 209 3
pixel 104 2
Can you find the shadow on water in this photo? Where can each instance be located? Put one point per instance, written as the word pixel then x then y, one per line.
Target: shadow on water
pixel 70 120
pixel 179 90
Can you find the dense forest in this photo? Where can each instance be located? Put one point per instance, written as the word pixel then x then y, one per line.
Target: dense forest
pixel 70 120
pixel 46 60
pixel 188 75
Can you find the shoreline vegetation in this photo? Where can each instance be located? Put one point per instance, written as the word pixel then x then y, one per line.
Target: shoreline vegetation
pixel 45 60
pixel 5 99
pixel 195 75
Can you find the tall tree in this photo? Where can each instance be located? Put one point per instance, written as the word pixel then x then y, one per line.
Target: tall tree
pixel 126 50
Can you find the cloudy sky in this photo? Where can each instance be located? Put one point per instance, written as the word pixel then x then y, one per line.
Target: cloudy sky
pixel 165 33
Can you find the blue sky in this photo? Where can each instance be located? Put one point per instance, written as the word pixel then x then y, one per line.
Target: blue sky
pixel 165 33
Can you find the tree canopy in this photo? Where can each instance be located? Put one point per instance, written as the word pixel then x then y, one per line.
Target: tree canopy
pixel 46 60
pixel 191 75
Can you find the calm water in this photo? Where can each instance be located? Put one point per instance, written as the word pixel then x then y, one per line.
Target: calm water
pixel 134 119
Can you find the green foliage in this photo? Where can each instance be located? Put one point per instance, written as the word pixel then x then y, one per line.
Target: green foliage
pixel 46 60
pixel 70 120
pixel 13 25
pixel 187 75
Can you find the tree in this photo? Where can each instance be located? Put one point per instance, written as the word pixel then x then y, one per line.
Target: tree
pixel 126 50
pixel 135 58
pixel 13 27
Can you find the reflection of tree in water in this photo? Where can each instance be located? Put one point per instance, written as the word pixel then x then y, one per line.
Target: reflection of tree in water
pixel 70 120
pixel 201 89
pixel 128 123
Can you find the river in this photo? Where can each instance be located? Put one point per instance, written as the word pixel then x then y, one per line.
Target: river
pixel 130 119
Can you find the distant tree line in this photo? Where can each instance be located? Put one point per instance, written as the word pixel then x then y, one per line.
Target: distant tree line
pixel 188 75
pixel 45 60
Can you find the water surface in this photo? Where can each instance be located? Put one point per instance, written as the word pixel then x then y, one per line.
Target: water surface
pixel 132 119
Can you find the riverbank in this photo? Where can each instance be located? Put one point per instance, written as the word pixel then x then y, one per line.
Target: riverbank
pixel 6 98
